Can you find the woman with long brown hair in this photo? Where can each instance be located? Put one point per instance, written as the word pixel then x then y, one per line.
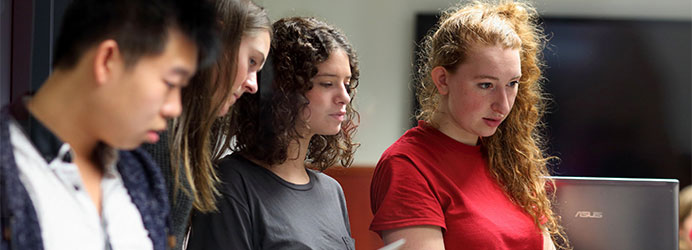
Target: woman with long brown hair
pixel 274 195
pixel 470 175
pixel 187 154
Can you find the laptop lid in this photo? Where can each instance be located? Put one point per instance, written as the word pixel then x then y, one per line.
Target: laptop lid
pixel 618 213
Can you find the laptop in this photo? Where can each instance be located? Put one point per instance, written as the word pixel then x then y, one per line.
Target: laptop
pixel 618 213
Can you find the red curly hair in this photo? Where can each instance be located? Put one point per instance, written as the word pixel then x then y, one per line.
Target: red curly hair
pixel 514 153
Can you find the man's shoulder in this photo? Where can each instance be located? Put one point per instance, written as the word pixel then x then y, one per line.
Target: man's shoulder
pixel 14 199
pixel 5 121
pixel 137 156
pixel 8 164
pixel 136 166
pixel 147 189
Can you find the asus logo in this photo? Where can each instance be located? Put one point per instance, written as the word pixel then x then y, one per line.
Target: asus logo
pixel 587 214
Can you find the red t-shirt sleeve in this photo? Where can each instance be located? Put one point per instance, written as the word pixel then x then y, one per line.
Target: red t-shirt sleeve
pixel 401 196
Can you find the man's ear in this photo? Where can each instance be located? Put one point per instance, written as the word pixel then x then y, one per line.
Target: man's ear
pixel 439 77
pixel 107 61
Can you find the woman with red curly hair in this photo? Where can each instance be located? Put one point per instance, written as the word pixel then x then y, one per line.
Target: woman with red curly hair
pixel 273 194
pixel 469 176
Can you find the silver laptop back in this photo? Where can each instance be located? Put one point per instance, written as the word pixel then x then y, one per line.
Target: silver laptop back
pixel 618 213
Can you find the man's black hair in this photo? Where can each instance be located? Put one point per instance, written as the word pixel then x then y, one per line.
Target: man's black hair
pixel 140 27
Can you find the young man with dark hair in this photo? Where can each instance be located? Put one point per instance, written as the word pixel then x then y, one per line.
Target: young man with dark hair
pixel 65 180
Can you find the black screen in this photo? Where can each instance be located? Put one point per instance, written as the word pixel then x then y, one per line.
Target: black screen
pixel 621 96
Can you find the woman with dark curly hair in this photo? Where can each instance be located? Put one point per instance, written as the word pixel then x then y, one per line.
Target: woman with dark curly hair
pixel 273 193
pixel 470 175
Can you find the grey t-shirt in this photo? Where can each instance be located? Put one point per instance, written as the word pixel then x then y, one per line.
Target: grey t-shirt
pixel 259 210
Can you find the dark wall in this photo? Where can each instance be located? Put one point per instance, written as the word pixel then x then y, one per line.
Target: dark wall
pixel 34 27
pixel 621 96
pixel 5 49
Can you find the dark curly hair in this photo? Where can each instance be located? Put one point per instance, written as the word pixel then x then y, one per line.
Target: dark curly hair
pixel 264 125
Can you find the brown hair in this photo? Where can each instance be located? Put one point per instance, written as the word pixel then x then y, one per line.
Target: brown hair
pixel 514 152
pixel 264 126
pixel 195 133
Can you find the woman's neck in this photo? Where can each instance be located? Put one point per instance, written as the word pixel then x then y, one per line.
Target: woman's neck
pixel 293 169
pixel 443 122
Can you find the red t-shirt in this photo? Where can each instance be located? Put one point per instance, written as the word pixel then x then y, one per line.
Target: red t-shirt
pixel 428 178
